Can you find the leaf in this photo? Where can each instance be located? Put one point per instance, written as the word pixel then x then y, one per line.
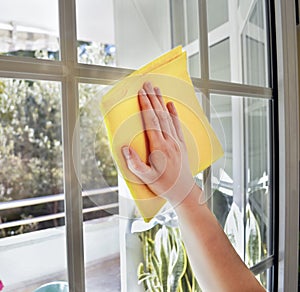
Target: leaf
pixel 179 267
pixel 164 269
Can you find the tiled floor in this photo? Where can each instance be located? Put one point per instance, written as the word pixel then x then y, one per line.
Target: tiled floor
pixel 104 277
pixel 100 277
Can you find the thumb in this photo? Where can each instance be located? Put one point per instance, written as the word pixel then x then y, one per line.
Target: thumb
pixel 135 164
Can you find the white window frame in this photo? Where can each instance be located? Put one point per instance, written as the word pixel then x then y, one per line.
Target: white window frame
pixel 69 72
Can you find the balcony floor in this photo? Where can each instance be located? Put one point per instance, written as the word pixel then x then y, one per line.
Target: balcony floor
pixel 103 276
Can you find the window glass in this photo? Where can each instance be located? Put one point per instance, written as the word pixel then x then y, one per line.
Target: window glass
pixel 100 196
pixel 29 28
pixel 95 32
pixel 192 20
pixel 242 200
pixel 257 15
pixel 265 279
pixel 254 69
pixel 241 45
pixel 217 13
pixel 219 61
pixel 178 22
pixel 131 33
pixel 32 237
pixel 194 65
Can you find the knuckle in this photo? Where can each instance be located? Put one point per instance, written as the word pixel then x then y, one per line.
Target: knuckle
pixel 154 122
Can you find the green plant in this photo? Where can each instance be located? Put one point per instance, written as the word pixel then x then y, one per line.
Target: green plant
pixel 165 267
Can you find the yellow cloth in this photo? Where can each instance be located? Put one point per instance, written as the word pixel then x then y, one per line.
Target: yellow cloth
pixel 124 125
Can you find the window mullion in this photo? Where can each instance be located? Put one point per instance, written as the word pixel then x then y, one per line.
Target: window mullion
pixel 29 68
pixel 71 148
pixel 203 39
pixel 204 58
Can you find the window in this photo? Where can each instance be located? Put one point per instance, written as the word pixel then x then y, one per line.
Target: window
pixel 52 77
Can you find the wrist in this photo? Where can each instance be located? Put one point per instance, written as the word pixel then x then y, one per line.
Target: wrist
pixel 194 198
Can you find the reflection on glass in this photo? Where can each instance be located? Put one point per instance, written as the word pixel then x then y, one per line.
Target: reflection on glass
pixel 258 165
pixel 95 32
pixel 131 33
pixel 239 44
pixel 192 20
pixel 242 199
pixel 100 197
pixel 217 13
pixel 219 61
pixel 254 71
pixel 29 29
pixel 194 65
pixel 265 278
pixel 184 22
pixel 255 46
pixel 32 238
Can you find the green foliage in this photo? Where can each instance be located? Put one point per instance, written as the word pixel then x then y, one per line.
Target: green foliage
pixel 166 267
pixel 31 139
pixel 97 162
pixel 30 150
pixel 31 146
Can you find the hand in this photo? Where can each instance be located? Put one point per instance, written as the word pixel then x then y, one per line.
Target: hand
pixel 167 172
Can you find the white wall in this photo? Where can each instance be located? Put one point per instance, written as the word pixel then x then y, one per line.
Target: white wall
pixel 36 255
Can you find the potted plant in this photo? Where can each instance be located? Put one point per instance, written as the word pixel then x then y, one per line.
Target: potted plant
pixel 165 266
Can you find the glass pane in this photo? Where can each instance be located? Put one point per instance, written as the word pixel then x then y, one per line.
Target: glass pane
pixel 29 28
pixel 100 196
pixel 129 34
pixel 246 55
pixel 194 65
pixel 95 32
pixel 217 13
pixel 242 198
pixel 32 238
pixel 255 68
pixel 258 184
pixel 192 20
pixel 219 60
pixel 266 279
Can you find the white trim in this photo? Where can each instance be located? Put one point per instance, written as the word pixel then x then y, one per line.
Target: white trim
pixel 288 107
pixel 230 88
pixel 220 33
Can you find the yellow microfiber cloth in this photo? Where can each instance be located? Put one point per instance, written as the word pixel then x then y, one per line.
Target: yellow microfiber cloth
pixel 123 121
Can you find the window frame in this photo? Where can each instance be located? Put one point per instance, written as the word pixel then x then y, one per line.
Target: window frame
pixel 286 99
pixel 287 149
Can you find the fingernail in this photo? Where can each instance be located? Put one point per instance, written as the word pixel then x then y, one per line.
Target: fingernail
pixel 142 92
pixel 148 85
pixel 173 107
pixel 126 152
pixel 157 90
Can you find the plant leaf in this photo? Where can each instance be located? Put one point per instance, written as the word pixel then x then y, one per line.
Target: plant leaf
pixel 179 267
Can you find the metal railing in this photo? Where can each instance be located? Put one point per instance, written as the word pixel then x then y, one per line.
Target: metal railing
pixel 53 198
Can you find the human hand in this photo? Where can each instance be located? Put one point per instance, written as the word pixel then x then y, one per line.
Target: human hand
pixel 167 172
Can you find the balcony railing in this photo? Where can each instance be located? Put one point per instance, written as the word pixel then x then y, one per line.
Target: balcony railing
pixel 53 198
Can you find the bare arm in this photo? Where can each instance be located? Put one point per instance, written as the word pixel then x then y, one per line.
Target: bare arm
pixel 215 263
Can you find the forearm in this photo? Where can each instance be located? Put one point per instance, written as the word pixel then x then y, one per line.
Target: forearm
pixel 215 263
pixel 167 174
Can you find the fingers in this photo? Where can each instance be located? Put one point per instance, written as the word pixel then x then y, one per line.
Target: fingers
pixel 150 119
pixel 134 163
pixel 155 113
pixel 147 174
pixel 175 120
